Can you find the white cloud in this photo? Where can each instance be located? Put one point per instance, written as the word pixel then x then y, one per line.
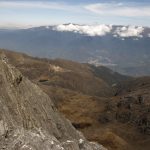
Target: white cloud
pixel 111 9
pixel 101 30
pixel 97 30
pixel 80 12
pixel 35 4
pixel 119 9
pixel 129 31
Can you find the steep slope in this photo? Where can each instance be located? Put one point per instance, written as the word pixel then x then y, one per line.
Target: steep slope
pixel 28 118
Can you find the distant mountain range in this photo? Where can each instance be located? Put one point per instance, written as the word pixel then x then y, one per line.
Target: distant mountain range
pixel 125 49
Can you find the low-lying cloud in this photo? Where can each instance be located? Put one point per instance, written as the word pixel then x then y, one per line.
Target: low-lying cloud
pixel 96 30
pixel 130 31
pixel 101 30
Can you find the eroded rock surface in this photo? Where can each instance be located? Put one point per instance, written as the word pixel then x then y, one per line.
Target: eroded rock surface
pixel 30 121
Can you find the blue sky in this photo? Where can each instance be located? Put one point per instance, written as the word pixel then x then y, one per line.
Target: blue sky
pixel 23 13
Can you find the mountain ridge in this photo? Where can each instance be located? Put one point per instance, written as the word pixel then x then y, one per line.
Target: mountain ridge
pixel 127 55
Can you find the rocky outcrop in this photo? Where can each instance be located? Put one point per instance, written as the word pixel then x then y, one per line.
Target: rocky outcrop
pixel 130 110
pixel 30 121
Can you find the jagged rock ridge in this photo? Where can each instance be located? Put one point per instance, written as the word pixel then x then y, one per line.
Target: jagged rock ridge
pixel 29 120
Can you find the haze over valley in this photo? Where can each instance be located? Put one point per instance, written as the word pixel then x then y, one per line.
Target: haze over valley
pixel 122 48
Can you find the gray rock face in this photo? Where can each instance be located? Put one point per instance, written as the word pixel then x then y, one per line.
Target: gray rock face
pixel 30 121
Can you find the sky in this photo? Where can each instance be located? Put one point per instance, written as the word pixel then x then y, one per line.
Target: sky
pixel 25 13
